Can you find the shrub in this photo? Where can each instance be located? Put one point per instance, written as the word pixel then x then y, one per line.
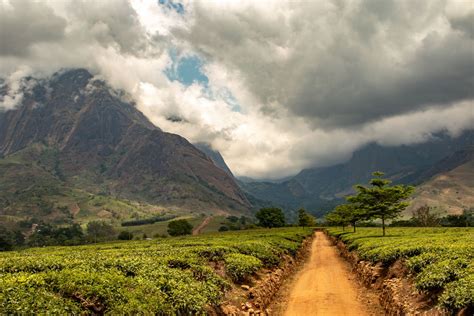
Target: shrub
pixel 270 217
pixel 125 235
pixel 179 227
pixel 239 266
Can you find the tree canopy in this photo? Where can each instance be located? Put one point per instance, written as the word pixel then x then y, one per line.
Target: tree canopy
pixel 305 219
pixel 100 230
pixel 379 200
pixel 180 227
pixel 270 217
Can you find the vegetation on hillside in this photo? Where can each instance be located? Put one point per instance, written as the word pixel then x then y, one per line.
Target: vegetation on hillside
pixel 441 259
pixel 173 276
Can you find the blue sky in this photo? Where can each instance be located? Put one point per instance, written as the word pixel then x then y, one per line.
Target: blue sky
pixel 172 5
pixel 186 69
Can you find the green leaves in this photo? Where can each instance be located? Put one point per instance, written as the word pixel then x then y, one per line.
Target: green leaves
pixel 270 217
pixel 442 259
pixel 174 276
pixel 240 266
pixel 380 200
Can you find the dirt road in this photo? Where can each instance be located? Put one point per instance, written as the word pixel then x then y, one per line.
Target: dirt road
pixel 324 285
pixel 197 230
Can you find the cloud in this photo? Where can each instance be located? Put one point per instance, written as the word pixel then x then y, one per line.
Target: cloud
pixel 15 86
pixel 25 23
pixel 288 85
pixel 338 63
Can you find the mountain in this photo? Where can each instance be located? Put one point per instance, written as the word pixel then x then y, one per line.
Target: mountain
pixel 448 185
pixel 319 189
pixel 450 162
pixel 73 138
pixel 215 156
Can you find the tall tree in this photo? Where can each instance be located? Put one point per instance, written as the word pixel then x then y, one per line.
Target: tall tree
pixel 270 217
pixel 335 218
pixel 305 219
pixel 380 199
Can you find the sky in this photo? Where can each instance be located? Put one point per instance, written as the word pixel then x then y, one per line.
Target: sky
pixel 275 86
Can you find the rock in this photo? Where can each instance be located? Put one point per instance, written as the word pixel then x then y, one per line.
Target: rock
pixel 245 287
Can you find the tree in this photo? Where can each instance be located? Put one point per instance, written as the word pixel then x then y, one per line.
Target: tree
pixel 270 217
pixel 223 228
pixel 125 235
pixel 243 220
pixel 335 218
pixel 425 217
pixel 465 219
pixel 380 199
pixel 351 213
pixel 232 219
pixel 468 215
pixel 179 227
pixel 305 219
pixel 100 230
pixel 7 241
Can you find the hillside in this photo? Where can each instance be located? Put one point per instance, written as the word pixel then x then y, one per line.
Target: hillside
pixel 319 189
pixel 73 139
pixel 449 191
pixel 215 156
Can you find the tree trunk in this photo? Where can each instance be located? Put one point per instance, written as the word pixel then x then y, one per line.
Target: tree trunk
pixel 383 226
pixel 354 225
pixel 343 228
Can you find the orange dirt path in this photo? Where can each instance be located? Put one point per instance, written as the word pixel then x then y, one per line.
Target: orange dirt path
pixel 200 227
pixel 323 286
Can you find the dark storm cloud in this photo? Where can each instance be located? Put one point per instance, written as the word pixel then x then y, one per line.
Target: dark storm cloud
pixel 341 63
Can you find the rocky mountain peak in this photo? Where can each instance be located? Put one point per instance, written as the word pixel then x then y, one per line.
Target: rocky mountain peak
pixel 102 138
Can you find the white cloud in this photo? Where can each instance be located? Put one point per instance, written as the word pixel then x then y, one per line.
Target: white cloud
pixel 313 80
pixel 16 87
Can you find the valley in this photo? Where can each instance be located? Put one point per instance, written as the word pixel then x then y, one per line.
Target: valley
pixel 81 167
pixel 237 158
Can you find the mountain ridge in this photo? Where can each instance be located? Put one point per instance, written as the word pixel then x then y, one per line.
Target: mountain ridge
pixel 103 143
pixel 320 189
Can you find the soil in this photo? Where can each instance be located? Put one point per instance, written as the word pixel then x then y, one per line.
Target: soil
pixel 325 286
pixel 393 284
pixel 197 230
pixel 255 296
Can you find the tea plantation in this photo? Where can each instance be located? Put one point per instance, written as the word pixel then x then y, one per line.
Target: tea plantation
pixel 441 259
pixel 168 276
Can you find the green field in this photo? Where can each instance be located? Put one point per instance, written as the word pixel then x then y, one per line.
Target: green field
pixel 159 228
pixel 441 259
pixel 164 276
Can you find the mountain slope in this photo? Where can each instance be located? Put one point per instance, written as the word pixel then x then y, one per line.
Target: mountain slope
pixel 215 156
pixel 450 188
pixel 89 137
pixel 319 189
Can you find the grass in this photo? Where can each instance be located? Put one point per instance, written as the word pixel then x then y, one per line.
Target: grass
pixel 441 259
pixel 160 228
pixel 171 276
